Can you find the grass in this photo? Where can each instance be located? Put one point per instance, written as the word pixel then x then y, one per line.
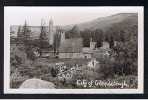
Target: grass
pixel 41 68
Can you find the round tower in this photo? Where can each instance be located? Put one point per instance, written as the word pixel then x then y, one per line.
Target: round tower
pixel 51 32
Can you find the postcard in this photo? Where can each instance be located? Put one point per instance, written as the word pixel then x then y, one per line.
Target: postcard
pixel 73 50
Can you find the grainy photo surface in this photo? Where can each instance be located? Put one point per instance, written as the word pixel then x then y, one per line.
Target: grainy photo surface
pixel 73 48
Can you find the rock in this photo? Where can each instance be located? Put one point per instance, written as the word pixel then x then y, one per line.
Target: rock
pixel 37 84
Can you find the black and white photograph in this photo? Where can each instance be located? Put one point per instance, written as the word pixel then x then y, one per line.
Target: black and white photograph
pixel 73 50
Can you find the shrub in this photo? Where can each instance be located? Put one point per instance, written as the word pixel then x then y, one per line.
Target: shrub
pixel 16 79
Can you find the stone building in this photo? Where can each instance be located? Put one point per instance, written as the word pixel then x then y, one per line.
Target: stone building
pixel 94 52
pixel 71 48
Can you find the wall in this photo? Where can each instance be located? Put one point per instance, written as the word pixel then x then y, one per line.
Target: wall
pixel 70 55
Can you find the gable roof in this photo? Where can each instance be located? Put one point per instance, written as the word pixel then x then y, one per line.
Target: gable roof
pixel 73 45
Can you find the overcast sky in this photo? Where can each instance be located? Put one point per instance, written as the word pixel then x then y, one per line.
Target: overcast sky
pixel 60 15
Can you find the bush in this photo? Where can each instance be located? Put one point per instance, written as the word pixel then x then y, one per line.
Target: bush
pixel 16 79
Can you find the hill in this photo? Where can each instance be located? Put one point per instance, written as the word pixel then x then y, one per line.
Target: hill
pixel 106 22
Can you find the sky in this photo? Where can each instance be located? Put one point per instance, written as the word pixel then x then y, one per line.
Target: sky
pixel 60 15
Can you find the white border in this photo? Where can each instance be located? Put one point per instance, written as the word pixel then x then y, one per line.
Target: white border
pixel 7 89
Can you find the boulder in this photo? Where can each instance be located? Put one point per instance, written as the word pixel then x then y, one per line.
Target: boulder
pixel 37 84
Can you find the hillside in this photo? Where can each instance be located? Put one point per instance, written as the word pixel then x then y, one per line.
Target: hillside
pixel 106 22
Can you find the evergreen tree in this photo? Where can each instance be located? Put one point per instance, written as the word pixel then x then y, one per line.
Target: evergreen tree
pixel 86 35
pixel 19 34
pixel 98 37
pixel 43 35
pixel 26 32
pixel 74 32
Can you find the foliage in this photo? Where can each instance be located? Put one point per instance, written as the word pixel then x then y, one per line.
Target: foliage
pixel 73 33
pixel 43 35
pixel 96 35
pixel 86 34
pixel 54 72
pixel 16 79
pixel 25 32
pixel 57 41
pixel 43 38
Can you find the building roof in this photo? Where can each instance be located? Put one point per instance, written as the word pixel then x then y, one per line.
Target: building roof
pixel 96 51
pixel 87 50
pixel 73 45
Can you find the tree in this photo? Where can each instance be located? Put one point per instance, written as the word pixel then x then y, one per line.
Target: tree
pixel 122 35
pixel 98 36
pixel 43 35
pixel 19 34
pixel 26 32
pixel 43 39
pixel 57 41
pixel 125 52
pixel 73 33
pixel 27 41
pixel 86 35
pixel 126 56
pixel 54 72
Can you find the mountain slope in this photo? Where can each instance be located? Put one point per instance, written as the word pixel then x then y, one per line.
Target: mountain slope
pixel 106 22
